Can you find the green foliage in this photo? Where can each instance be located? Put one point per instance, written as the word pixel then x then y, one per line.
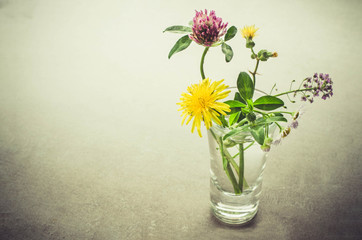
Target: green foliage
pixel 235 103
pixel 262 121
pixel 249 43
pixel 180 45
pixel 231 133
pixel 178 29
pixel 268 103
pixel 228 51
pixel 234 117
pixel 245 86
pixel 258 134
pixel 223 121
pixel 250 104
pixel 248 120
pixel 230 33
pixel 238 97
pixel 251 117
pixel 264 55
pixel 276 119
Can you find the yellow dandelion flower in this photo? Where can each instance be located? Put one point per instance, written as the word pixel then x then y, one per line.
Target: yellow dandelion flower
pixel 200 103
pixel 248 32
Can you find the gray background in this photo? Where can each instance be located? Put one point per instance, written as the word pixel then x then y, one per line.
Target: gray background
pixel 91 145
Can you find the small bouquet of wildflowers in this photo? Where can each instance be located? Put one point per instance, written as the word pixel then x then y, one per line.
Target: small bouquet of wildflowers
pixel 248 119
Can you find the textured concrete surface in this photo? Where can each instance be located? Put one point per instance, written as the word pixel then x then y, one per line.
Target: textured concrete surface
pixel 91 145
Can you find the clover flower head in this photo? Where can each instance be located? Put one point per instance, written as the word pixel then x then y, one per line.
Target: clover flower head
pixel 207 28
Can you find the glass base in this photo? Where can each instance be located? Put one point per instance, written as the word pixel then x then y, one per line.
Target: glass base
pixel 234 209
pixel 234 215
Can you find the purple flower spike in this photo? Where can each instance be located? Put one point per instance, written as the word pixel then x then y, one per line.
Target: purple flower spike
pixel 207 29
pixel 322 85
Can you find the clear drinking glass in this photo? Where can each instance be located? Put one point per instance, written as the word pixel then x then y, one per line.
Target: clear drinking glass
pixel 228 206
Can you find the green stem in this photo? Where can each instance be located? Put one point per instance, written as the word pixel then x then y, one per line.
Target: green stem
pixel 251 144
pixel 226 153
pixel 256 69
pixel 280 127
pixel 244 149
pixel 241 166
pixel 241 122
pixel 272 88
pixel 262 113
pixel 290 113
pixel 202 62
pixel 228 170
pixel 266 130
pixel 231 160
pixel 230 174
pixel 252 50
pixel 293 91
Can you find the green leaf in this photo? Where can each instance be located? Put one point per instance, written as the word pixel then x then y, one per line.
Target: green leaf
pixel 223 121
pixel 250 104
pixel 180 45
pixel 232 132
pixel 245 86
pixel 178 29
pixel 230 33
pixel 238 97
pixel 276 119
pixel 233 118
pixel 234 103
pixel 262 121
pixel 258 134
pixel 238 130
pixel 228 51
pixel 268 103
